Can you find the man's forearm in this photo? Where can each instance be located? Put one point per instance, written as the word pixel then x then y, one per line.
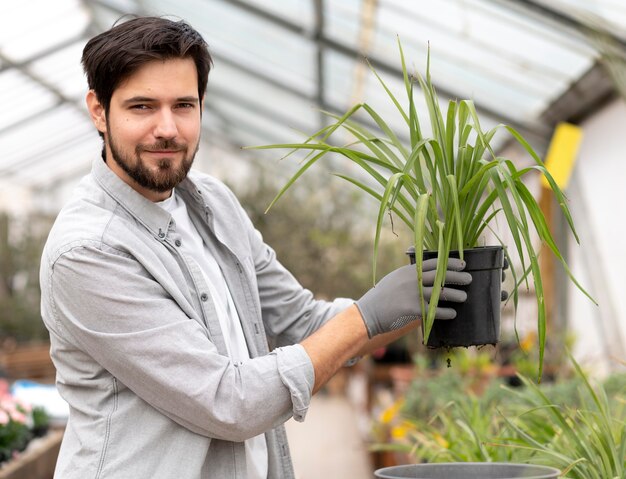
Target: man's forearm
pixel 383 339
pixel 342 338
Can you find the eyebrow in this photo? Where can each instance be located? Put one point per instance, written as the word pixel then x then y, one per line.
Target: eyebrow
pixel 146 99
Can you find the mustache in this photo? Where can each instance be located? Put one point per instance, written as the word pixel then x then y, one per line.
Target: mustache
pixel 169 145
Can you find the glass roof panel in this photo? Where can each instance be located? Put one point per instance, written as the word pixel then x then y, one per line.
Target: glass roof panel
pixel 479 50
pixel 346 92
pixel 63 70
pixel 299 12
pixel 278 104
pixel 56 129
pixel 21 98
pixel 105 14
pixel 237 118
pixel 510 57
pixel 57 164
pixel 48 24
pixel 350 86
pixel 342 21
pixel 493 41
pixel 612 12
pixel 127 6
pixel 242 37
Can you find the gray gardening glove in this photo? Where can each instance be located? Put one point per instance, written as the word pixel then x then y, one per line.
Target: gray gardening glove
pixel 393 302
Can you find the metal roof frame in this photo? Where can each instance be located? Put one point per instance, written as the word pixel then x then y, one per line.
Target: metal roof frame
pixel 590 90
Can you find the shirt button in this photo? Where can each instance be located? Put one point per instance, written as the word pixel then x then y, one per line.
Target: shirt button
pixel 204 297
pixel 178 242
pixel 161 234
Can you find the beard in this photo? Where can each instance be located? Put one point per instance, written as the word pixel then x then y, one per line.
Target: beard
pixel 167 174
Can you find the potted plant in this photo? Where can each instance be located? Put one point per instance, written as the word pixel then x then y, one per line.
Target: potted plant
pixel 447 187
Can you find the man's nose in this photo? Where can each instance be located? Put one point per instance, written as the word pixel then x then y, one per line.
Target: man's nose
pixel 165 125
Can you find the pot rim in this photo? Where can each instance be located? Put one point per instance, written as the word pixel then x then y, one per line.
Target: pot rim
pixel 411 249
pixel 542 472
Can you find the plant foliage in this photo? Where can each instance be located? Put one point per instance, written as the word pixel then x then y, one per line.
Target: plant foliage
pixel 575 425
pixel 447 187
pixel 19 423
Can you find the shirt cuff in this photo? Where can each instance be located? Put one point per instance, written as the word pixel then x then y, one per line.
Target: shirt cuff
pixel 297 374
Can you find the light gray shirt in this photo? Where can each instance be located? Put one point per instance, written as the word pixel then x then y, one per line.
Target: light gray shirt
pixel 140 355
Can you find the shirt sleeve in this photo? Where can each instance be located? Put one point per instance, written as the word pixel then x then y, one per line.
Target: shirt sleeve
pixel 110 306
pixel 290 312
pixel 296 371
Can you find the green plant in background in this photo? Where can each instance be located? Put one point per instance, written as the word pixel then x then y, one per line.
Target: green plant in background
pixel 447 187
pixel 460 431
pixel 41 421
pixel 446 413
pixel 322 246
pixel 445 416
pixel 14 437
pixel 21 243
pixel 19 423
pixel 587 440
pixel 573 424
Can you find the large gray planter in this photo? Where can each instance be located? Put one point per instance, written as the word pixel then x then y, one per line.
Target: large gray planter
pixel 468 470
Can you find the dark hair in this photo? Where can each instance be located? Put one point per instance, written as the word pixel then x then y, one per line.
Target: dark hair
pixel 112 56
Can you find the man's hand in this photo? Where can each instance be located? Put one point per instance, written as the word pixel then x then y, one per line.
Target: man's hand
pixel 394 301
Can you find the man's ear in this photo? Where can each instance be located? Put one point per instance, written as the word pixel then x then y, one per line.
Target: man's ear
pixel 96 111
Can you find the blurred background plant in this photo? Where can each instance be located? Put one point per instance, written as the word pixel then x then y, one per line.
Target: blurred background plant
pixel 574 424
pixel 21 243
pixel 322 233
pixel 583 433
pixel 19 423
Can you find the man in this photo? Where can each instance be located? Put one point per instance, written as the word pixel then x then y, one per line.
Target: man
pixel 162 300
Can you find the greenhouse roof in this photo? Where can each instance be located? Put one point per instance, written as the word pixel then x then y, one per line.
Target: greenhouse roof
pixel 279 62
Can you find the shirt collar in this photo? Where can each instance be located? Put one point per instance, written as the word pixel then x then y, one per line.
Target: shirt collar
pixel 152 216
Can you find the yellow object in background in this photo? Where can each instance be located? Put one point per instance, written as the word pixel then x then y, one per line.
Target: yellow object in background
pixel 562 153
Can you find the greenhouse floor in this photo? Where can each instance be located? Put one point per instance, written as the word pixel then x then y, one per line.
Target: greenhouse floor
pixel 328 443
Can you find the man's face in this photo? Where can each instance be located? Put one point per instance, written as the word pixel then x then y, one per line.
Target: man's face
pixel 152 129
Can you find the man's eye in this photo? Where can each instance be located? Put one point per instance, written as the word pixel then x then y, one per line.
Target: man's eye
pixel 139 107
pixel 186 105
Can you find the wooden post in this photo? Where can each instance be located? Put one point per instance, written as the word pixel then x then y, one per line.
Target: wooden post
pixel 546 259
pixel 559 163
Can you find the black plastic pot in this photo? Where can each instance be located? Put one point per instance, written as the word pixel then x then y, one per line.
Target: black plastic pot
pixel 477 320
pixel 468 470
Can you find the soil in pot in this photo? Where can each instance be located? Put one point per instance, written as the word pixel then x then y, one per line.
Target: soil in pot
pixel 477 320
pixel 468 470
